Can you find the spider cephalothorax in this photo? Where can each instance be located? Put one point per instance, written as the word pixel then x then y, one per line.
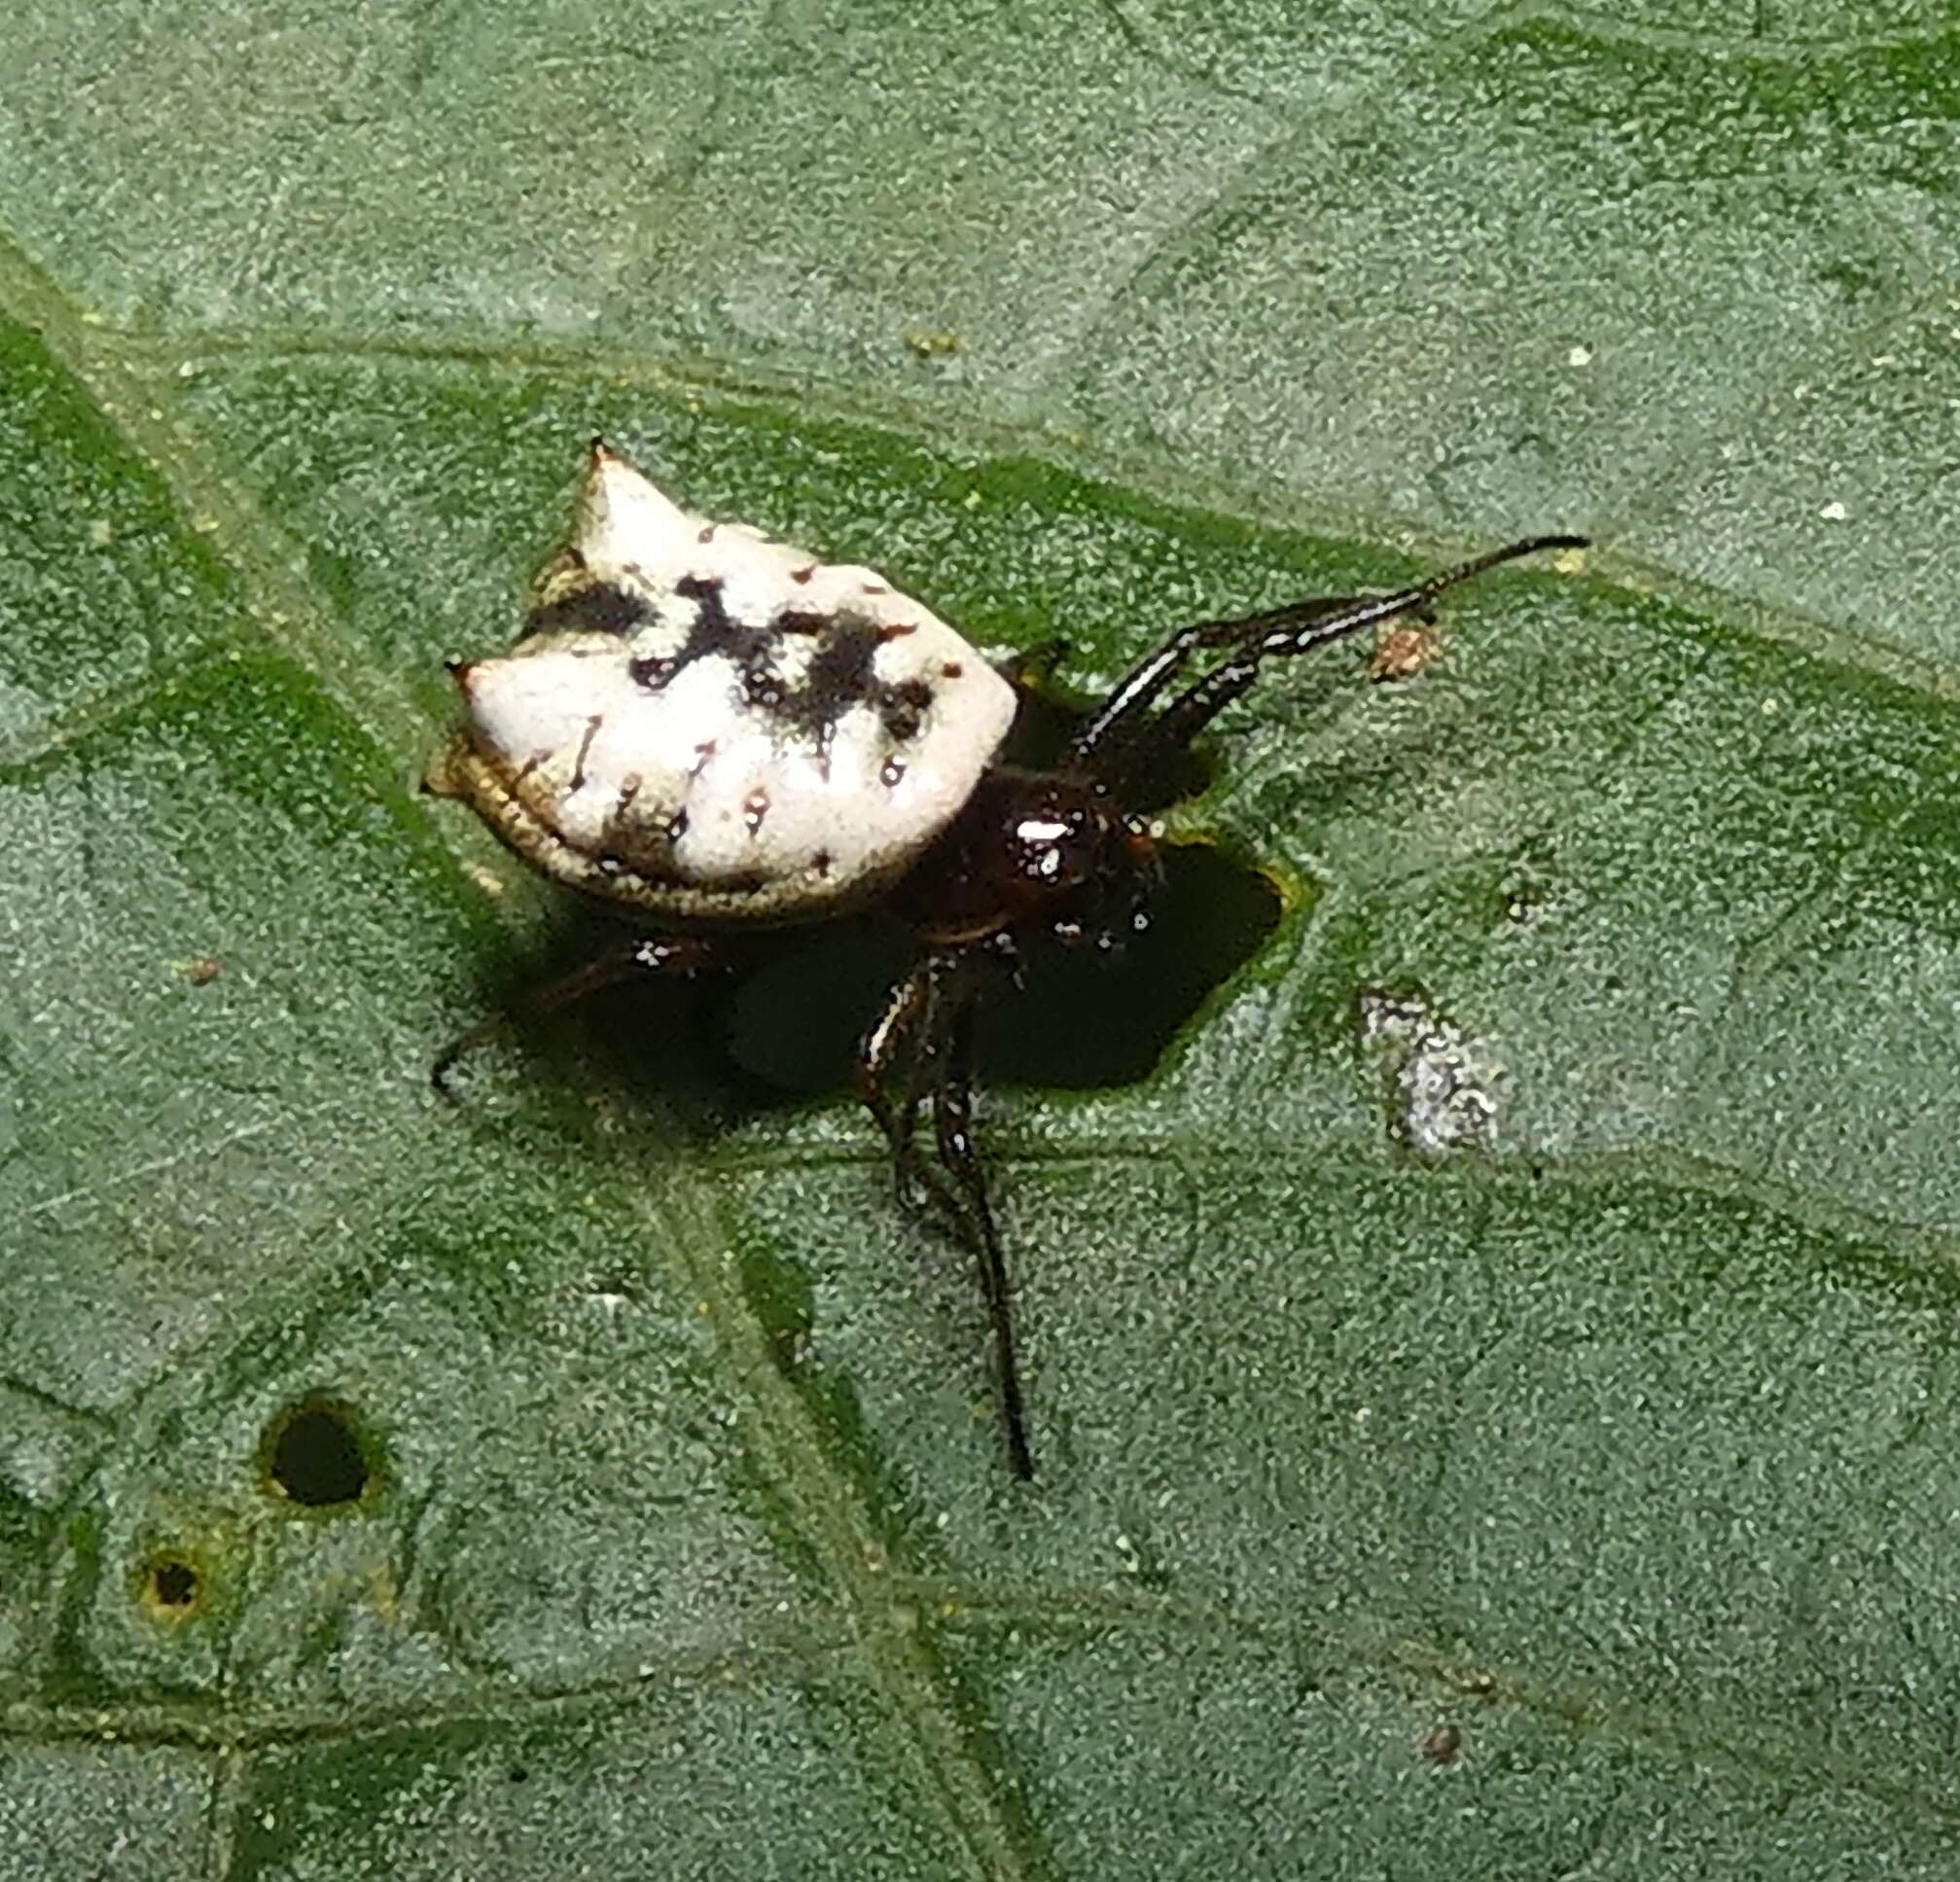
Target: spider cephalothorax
pixel 1048 853
pixel 713 732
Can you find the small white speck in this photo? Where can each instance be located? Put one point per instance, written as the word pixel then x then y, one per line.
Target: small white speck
pixel 1579 356
pixel 1771 707
pixel 101 533
pixel 1834 512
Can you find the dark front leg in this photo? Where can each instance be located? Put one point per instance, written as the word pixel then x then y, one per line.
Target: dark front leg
pixel 1123 742
pixel 1125 715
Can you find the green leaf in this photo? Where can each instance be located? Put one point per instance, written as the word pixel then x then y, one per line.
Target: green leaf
pixel 1488 1298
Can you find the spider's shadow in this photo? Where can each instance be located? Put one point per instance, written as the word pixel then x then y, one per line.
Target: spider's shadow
pixel 785 1026
pixel 1078 1021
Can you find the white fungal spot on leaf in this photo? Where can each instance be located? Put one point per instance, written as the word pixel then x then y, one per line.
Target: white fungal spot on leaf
pixel 1446 1082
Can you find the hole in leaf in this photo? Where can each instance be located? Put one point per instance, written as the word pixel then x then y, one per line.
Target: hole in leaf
pixel 1080 1022
pixel 1083 1022
pixel 314 1455
pixel 785 1023
pixel 169 1586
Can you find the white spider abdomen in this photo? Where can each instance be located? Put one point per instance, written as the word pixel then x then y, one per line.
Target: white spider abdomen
pixel 706 724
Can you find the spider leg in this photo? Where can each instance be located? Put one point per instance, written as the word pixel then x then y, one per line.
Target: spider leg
pixel 920 1050
pixel 1122 715
pixel 953 1120
pixel 649 954
pixel 1255 639
pixel 892 1077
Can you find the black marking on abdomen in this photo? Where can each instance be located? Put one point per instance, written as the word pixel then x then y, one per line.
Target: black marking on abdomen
pixel 717 632
pixel 902 708
pixel 604 608
pixel 839 677
pixel 593 726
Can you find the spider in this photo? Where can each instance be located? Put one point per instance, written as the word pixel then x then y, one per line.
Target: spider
pixel 712 733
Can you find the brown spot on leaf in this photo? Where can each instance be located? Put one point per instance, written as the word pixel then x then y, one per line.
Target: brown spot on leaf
pixel 1402 653
pixel 1440 1745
